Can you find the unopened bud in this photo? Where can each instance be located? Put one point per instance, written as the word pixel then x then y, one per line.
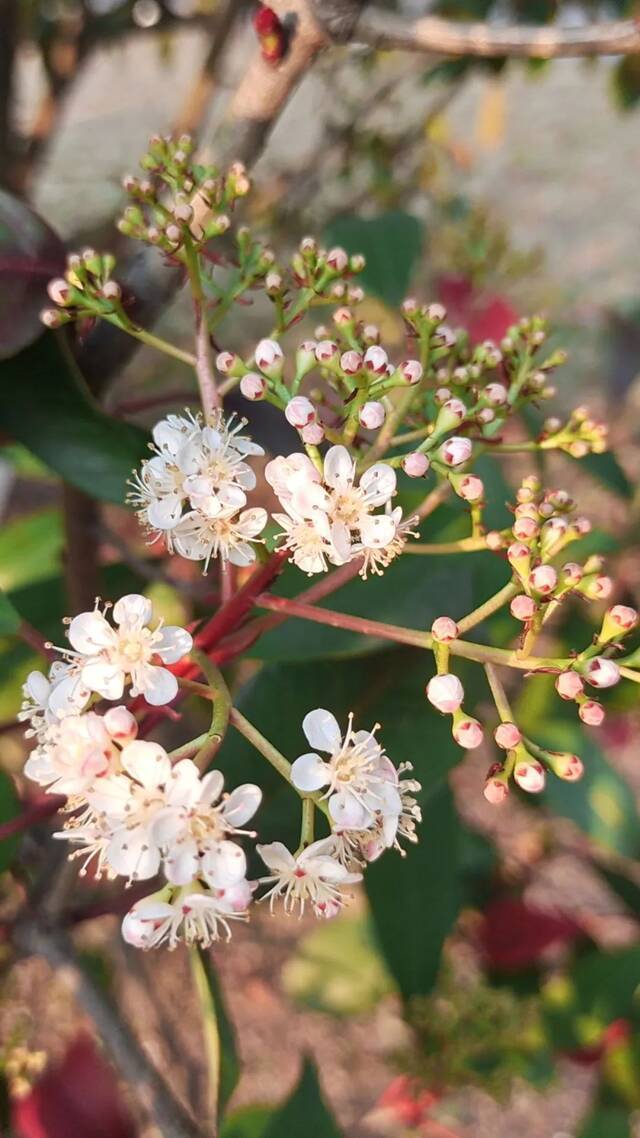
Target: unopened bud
pixel 411 371
pixel 326 350
pixel 445 692
pixel 494 540
pixel 58 290
pixel 496 789
pixel 436 313
pixel 337 259
pixel 525 529
pixel 269 358
pixel 530 776
pixel 591 713
pixel 601 673
pixel 120 724
pixel 300 412
pixel 496 394
pixel 519 557
pixel 522 607
pixel 312 434
pixel 471 488
pixel 444 629
pixel 415 465
pixel 372 415
pixel 451 414
pixel 569 685
pixel 543 579
pixel 351 362
pixel 111 290
pixel 507 736
pixel 455 451
pixel 376 360
pixel 618 621
pixel 253 386
pixel 226 362
pixel 467 732
pixel 565 765
pixel 343 317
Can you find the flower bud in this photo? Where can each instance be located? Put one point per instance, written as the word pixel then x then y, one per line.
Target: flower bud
pixel 121 724
pixel 522 607
pixel 337 259
pixel 305 358
pixel 58 290
pixel 226 362
pixel 253 386
pixel 445 692
pixel 467 732
pixel 543 579
pixel 411 371
pixel 441 394
pixel 436 313
pixel 451 414
pixel 471 488
pixel 494 540
pixel 326 350
pixel 300 412
pixel 525 529
pixel 269 358
pixel 571 573
pixel 273 283
pixel 618 621
pixel 507 736
pixel 601 673
pixel 376 360
pixel 351 362
pixel 111 290
pixel 496 789
pixel 530 776
pixel 312 434
pixel 598 588
pixel 372 415
pixel 565 765
pixel 355 294
pixel 486 415
pixel 371 334
pixel 444 629
pixel 415 465
pixel 569 685
pixel 51 318
pixel 519 558
pixel 496 394
pixel 456 450
pixel 591 713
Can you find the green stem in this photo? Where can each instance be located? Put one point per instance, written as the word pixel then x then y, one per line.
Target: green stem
pixel 188 750
pixel 154 341
pixel 489 607
pixel 464 545
pixel 499 695
pixel 307 827
pixel 220 714
pixel 210 1033
pixel 262 745
pixel 629 674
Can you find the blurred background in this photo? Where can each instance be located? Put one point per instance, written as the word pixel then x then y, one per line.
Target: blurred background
pixel 500 188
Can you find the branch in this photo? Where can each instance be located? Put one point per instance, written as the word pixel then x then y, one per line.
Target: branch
pixel 435 36
pixel 153 1094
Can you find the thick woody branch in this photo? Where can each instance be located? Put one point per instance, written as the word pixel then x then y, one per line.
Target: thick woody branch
pixel 169 1117
pixel 435 36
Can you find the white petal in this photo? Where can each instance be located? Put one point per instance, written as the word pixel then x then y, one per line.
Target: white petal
pixel 378 531
pixel 105 679
pixel 164 513
pixel 339 467
pixel 379 483
pixel 224 863
pixel 174 643
pixel 38 687
pixel 183 785
pixel 182 864
pixel 147 762
pixel 130 854
pixel 322 730
pixel 211 786
pixel 327 868
pixel 276 856
pixel 242 804
pixel 167 826
pixel 242 554
pixel 341 541
pixel 252 522
pixel 90 633
pixel 347 812
pixel 157 685
pixel 309 772
pixel 133 609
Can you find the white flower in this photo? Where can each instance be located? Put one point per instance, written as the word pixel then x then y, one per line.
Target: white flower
pixel 104 658
pixel 314 876
pixel 48 699
pixel 228 535
pixel 193 915
pixel 78 750
pixel 358 779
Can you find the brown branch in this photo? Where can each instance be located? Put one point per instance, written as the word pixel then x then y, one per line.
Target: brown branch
pixel 33 937
pixel 81 549
pixel 435 36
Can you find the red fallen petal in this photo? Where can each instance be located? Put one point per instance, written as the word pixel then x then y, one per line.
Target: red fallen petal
pixel 486 316
pixel 514 935
pixel 76 1098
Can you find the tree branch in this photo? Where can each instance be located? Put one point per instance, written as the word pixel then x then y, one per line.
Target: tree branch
pixel 436 36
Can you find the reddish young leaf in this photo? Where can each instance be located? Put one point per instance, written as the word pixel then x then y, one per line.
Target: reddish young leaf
pixel 514 934
pixel 486 316
pixel 77 1098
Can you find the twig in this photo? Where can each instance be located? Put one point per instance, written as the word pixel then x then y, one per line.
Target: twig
pixel 81 546
pixel 221 697
pixel 156 1099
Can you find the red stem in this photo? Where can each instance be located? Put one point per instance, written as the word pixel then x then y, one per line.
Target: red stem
pixel 38 812
pixel 344 620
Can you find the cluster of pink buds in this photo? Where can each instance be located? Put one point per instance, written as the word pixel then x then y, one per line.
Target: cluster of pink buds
pixel 87 290
pixel 445 690
pixel 579 436
pixel 527 764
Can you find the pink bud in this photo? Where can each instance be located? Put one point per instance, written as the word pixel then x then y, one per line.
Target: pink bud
pixel 572 572
pixel 120 724
pixel 268 356
pixel 566 766
pixel 543 579
pixel 415 465
pixel 372 415
pixel 602 673
pixel 507 735
pixel 350 362
pixel 337 259
pixel 456 451
pixel 273 282
pixel 252 385
pixel 455 412
pixel 436 313
pixel 582 526
pixel 444 629
pixel 111 290
pixel 486 415
pixel 530 776
pixel 411 371
pixel 522 607
pixel 601 587
pixel 468 733
pixel 376 360
pixel 326 350
pixel 225 362
pixel 300 412
pixel 343 316
pixel 445 692
pixel 441 394
pixel 471 488
pixel 495 791
pixel 625 617
pixel 525 529
pixel 591 713
pixel 58 290
pixel 517 552
pixel 312 434
pixel 569 685
pixel 496 393
pixel 494 540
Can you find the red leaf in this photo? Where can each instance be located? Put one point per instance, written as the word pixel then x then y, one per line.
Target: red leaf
pixel 77 1098
pixel 486 315
pixel 514 935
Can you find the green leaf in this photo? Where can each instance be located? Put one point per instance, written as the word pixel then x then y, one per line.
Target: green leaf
pixel 221 1044
pixel 248 1123
pixel 45 405
pixel 305 1112
pixel 9 616
pixel 30 548
pixel 606 1122
pixel 415 900
pixel 9 808
pixel 30 255
pixel 391 243
pixel 606 469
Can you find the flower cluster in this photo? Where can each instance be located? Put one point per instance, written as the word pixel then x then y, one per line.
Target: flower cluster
pixel 330 517
pixel 193 491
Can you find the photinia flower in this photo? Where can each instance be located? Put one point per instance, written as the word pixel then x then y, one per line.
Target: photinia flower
pixel 314 877
pixel 48 699
pixel 229 535
pixel 192 914
pixel 77 750
pixel 105 657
